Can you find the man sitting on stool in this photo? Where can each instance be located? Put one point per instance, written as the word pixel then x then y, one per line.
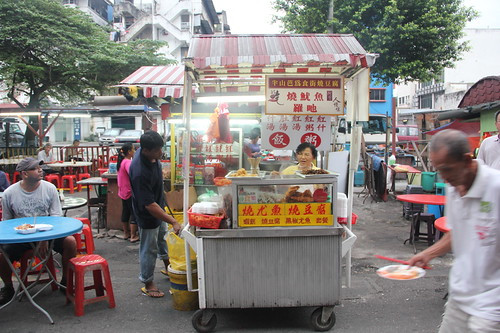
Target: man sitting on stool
pixel 32 196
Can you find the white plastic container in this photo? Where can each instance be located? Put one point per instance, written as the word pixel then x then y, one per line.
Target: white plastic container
pixel 341 208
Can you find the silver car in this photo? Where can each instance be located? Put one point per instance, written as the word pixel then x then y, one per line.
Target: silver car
pixel 109 136
pixel 133 136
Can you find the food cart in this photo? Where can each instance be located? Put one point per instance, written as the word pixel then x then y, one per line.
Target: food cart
pixel 274 241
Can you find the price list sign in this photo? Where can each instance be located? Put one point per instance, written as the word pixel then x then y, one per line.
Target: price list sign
pixel 304 95
pixel 287 132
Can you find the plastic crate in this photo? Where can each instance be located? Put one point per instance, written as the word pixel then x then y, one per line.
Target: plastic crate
pixel 204 221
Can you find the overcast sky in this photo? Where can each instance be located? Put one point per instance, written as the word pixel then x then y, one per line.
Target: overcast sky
pixel 255 16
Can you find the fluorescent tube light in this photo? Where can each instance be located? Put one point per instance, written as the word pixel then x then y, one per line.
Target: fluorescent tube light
pixel 20 114
pixel 231 99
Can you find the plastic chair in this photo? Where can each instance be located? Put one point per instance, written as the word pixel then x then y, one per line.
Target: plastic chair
pixel 84 245
pixel 82 176
pixel 16 177
pixel 75 290
pixel 102 170
pixel 49 265
pixel 416 235
pixel 54 179
pixel 71 182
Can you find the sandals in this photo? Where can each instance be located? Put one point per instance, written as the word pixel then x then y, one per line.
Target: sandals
pixel 153 293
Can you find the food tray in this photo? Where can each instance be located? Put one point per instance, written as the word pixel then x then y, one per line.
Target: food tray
pixel 323 175
pixel 204 221
pixel 400 272
pixel 260 175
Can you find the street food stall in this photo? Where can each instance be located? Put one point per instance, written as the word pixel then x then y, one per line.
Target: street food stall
pixel 280 231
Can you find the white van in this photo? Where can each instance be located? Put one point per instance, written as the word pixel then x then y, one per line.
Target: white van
pixel 374 130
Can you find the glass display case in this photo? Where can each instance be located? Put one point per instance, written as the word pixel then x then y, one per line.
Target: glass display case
pixel 282 201
pixel 208 160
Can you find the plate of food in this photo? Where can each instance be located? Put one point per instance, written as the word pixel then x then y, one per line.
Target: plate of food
pixel 401 272
pixel 316 173
pixel 25 229
pixel 244 174
pixel 44 227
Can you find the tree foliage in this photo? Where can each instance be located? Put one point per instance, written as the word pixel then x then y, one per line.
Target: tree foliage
pixel 416 39
pixel 47 49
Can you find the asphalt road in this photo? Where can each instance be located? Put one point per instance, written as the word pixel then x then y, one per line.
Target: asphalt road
pixel 372 304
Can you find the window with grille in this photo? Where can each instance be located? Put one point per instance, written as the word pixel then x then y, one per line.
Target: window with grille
pixel 377 94
pixel 425 101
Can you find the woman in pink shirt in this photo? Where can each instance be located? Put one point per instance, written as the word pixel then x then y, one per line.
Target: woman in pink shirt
pixel 125 192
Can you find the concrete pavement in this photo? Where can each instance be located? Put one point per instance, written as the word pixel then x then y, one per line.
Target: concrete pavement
pixel 372 304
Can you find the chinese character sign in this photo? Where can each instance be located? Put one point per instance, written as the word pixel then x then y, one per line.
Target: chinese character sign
pixel 287 132
pixel 293 95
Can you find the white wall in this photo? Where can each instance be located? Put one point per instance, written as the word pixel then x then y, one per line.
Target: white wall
pixel 480 61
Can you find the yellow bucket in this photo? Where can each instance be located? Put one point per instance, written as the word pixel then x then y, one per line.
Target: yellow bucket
pixel 183 300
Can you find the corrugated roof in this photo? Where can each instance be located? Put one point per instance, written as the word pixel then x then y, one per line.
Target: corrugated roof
pixel 160 81
pixel 156 75
pixel 236 51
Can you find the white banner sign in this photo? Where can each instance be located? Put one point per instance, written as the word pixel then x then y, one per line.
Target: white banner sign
pixel 306 95
pixel 287 132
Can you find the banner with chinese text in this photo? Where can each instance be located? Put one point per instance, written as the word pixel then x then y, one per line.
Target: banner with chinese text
pixel 287 132
pixel 289 214
pixel 304 95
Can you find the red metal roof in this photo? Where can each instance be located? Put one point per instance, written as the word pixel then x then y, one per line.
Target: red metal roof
pixel 483 91
pixel 236 51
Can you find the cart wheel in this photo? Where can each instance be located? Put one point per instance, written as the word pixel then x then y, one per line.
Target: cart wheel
pixel 318 325
pixel 199 326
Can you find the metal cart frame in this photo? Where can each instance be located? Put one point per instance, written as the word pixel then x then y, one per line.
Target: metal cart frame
pixel 267 266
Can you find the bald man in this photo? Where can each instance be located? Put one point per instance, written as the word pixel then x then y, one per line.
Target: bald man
pixel 473 216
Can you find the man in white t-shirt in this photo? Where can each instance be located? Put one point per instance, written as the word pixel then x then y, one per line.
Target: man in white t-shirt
pixel 473 216
pixel 489 152
pixel 32 196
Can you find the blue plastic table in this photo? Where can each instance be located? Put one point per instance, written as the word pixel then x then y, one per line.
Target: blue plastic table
pixel 62 227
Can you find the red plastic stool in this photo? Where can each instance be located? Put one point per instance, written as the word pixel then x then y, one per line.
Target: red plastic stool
pixel 84 220
pixel 84 245
pixel 82 176
pixel 102 170
pixel 49 265
pixel 16 177
pixel 75 289
pixel 71 182
pixel 54 179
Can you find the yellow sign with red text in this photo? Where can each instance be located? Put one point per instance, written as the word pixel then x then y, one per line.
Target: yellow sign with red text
pixel 289 214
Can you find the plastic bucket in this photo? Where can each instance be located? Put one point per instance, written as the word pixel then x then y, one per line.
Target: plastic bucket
pixel 183 300
pixel 428 180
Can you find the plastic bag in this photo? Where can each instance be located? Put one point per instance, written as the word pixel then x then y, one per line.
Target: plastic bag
pixel 177 254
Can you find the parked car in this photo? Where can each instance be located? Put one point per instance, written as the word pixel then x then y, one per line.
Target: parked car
pixel 407 132
pixel 109 136
pixel 133 136
pixel 16 139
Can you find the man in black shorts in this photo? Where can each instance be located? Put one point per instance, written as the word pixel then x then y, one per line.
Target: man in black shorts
pixel 32 196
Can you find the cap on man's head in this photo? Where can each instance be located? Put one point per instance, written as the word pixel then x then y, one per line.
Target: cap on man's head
pixel 28 163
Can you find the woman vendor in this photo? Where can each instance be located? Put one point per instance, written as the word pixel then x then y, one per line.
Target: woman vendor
pixel 306 153
pixel 252 147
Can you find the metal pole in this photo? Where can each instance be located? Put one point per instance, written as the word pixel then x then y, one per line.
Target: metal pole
pixel 394 122
pixel 153 29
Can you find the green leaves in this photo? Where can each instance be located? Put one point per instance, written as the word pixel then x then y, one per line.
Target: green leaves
pixel 47 49
pixel 416 39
